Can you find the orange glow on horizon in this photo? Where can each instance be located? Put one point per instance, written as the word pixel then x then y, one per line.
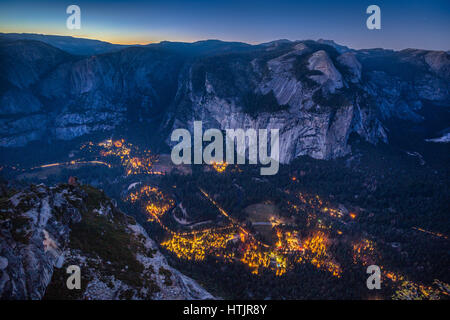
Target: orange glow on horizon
pixel 114 38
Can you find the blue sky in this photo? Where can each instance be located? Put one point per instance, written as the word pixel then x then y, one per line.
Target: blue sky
pixel 405 24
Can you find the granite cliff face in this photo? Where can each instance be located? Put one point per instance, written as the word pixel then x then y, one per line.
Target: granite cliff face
pixel 76 96
pixel 43 230
pixel 316 93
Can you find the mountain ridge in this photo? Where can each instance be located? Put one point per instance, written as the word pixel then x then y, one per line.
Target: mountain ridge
pixel 330 92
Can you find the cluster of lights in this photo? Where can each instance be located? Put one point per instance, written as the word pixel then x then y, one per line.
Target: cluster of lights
pixel 315 202
pixel 134 160
pixel 256 254
pixel 333 212
pixel 198 246
pixel 219 166
pixel 288 242
pixel 316 253
pixel 364 252
pixel 312 201
pixel 254 258
pixel 409 290
pixel 156 202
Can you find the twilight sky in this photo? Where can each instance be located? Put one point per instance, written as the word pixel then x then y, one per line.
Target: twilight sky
pixel 404 24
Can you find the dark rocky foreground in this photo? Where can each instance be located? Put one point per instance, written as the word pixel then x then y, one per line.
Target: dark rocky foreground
pixel 44 229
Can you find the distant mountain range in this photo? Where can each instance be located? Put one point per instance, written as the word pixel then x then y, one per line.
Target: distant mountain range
pixel 75 46
pixel 316 92
pixel 82 46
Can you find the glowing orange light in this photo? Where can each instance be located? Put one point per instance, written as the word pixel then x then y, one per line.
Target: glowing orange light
pixel 219 166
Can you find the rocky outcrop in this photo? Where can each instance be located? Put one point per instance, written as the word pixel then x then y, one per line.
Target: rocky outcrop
pixel 44 230
pixel 328 76
pixel 320 113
